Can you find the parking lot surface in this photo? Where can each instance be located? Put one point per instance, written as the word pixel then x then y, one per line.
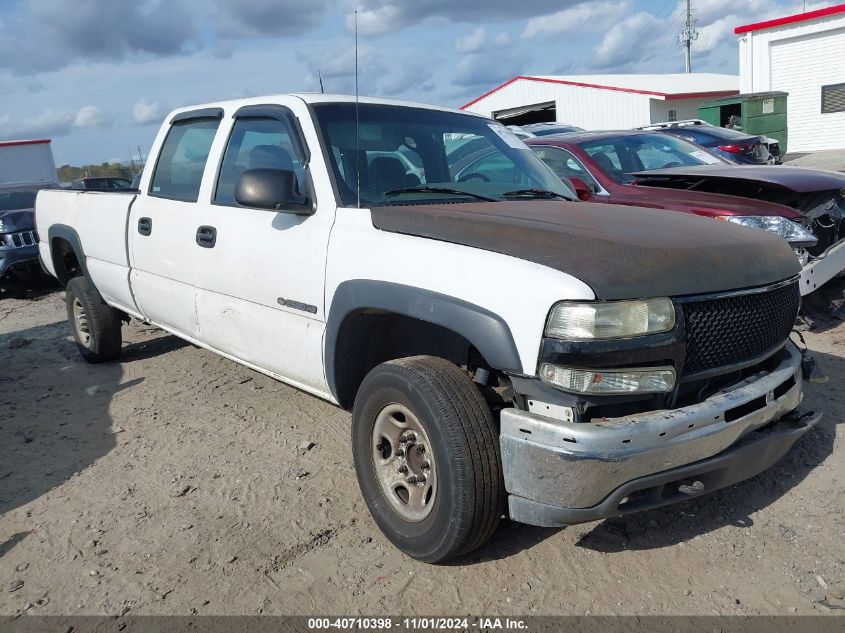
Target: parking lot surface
pixel 178 482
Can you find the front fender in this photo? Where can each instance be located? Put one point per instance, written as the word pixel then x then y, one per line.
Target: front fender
pixel 487 332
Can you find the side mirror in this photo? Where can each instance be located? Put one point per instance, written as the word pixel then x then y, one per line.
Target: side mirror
pixel 582 189
pixel 272 189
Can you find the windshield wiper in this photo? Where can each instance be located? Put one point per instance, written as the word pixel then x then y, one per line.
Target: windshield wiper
pixel 446 190
pixel 535 193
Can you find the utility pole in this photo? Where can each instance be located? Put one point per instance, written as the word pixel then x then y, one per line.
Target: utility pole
pixel 688 36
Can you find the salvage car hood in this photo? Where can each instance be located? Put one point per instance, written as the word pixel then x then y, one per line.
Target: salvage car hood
pixel 798 179
pixel 18 220
pixel 620 252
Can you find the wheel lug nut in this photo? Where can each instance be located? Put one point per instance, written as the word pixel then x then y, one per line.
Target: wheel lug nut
pixel 400 451
pixel 412 479
pixel 420 479
pixel 403 469
pixel 420 449
pixel 426 465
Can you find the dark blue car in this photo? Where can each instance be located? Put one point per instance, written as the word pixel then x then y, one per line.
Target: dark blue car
pixel 732 145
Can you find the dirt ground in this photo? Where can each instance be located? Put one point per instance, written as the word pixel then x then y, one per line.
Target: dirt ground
pixel 178 482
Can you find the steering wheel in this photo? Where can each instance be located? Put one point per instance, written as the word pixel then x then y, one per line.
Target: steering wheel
pixel 674 163
pixel 473 175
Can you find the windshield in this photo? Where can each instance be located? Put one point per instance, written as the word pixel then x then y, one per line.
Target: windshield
pixel 14 199
pixel 622 156
pixel 404 155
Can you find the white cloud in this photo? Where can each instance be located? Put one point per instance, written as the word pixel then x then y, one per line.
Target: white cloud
pixel 47 124
pixel 587 15
pixel 375 21
pixel 472 42
pixel 145 112
pixel 619 45
pixel 51 123
pixel 502 40
pixel 91 116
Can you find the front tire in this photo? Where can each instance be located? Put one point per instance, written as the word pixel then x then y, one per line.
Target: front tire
pixel 95 325
pixel 427 457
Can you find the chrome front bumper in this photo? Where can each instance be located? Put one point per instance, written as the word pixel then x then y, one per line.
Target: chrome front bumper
pixel 823 268
pixel 576 466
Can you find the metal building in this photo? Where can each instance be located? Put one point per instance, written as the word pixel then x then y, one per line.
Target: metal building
pixel 26 162
pixel 601 102
pixel 803 55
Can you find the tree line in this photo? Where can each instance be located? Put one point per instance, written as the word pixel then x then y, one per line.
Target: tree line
pixel 67 173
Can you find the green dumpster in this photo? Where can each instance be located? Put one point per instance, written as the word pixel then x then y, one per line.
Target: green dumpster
pixel 758 113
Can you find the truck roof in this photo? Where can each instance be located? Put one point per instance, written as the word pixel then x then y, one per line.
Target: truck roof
pixel 312 97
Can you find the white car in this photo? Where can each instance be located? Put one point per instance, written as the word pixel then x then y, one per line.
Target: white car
pixel 503 349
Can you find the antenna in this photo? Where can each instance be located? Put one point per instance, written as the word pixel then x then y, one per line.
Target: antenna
pixel 320 77
pixel 357 121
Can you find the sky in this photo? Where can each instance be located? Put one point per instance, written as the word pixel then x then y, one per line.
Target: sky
pixel 98 76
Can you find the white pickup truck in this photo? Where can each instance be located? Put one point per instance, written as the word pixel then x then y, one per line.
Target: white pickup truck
pixel 503 348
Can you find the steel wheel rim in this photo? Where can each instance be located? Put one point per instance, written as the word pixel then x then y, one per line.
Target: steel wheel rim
pixel 80 323
pixel 404 462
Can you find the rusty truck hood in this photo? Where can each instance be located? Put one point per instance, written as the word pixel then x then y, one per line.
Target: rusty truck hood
pixel 620 252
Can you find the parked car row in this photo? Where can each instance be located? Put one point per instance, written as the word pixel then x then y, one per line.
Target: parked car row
pixel 505 348
pixel 732 145
pixel 681 168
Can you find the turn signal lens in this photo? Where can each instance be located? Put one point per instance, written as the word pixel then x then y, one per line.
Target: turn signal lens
pixel 609 381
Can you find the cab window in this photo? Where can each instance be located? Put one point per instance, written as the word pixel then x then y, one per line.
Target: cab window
pixel 256 143
pixel 181 161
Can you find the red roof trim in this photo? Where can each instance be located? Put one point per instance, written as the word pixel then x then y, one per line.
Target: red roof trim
pixel 701 95
pixel 13 143
pixel 665 95
pixel 791 19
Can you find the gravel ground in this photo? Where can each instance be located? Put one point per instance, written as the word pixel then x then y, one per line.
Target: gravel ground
pixel 178 482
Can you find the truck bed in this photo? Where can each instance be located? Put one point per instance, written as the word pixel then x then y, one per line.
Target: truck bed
pixel 97 220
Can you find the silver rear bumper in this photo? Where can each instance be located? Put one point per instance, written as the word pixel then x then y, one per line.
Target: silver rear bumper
pixel 571 465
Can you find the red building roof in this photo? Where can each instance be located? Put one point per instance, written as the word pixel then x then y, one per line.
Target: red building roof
pixel 33 142
pixel 791 19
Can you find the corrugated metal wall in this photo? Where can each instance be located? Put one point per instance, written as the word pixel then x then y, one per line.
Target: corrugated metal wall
pixel 799 59
pixel 589 108
pixel 27 164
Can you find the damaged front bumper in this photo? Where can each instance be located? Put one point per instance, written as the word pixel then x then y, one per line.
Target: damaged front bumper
pixel 562 473
pixel 823 268
pixel 9 257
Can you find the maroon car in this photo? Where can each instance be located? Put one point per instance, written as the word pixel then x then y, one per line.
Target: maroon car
pixel 613 167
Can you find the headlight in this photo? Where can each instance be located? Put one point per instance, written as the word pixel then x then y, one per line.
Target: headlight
pixel 614 319
pixel 609 381
pixel 2 227
pixel 791 231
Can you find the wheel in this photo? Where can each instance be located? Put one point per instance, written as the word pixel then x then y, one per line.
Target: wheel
pixel 427 457
pixel 95 325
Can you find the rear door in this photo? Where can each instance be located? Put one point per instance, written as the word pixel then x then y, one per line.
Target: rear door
pixel 163 225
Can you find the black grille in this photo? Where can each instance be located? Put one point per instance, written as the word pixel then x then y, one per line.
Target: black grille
pixel 735 329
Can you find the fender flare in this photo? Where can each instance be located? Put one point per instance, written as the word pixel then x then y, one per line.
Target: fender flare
pixel 485 331
pixel 69 234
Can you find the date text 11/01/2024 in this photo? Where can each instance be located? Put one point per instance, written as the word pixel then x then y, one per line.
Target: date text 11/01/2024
pixel 416 624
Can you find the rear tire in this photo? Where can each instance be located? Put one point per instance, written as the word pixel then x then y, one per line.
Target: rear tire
pixel 96 326
pixel 426 453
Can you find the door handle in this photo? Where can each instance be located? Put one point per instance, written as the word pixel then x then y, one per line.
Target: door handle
pixel 145 226
pixel 207 236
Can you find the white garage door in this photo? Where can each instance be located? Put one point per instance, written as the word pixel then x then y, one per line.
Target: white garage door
pixel 801 66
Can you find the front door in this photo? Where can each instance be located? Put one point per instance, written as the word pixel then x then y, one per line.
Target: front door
pixel 261 289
